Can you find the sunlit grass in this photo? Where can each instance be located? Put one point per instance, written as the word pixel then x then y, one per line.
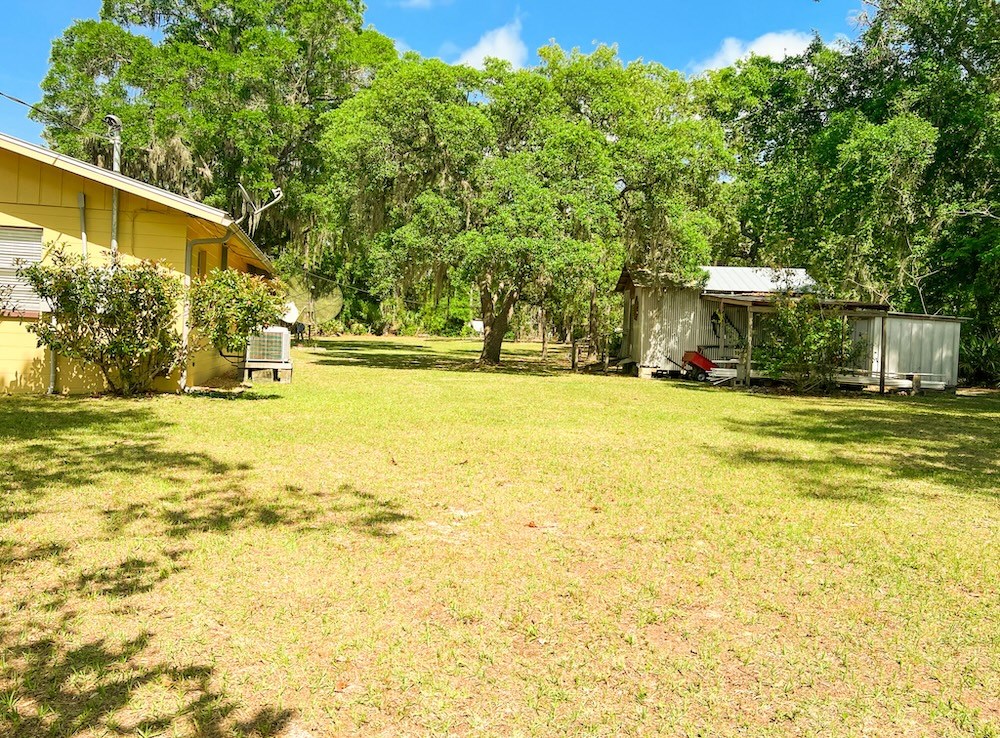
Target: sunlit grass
pixel 396 544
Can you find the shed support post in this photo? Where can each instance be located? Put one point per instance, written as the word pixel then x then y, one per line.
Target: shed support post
pixel 882 360
pixel 722 330
pixel 749 359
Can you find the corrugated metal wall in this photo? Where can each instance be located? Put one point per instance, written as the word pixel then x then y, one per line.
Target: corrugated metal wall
pixel 918 345
pixel 668 325
pixel 719 346
pixel 671 322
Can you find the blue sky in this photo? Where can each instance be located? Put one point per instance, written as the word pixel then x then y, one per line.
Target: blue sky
pixel 683 34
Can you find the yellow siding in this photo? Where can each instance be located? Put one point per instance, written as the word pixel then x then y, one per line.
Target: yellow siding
pixel 23 367
pixel 43 196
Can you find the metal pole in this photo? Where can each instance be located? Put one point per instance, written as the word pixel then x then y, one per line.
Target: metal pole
pixel 881 360
pixel 115 130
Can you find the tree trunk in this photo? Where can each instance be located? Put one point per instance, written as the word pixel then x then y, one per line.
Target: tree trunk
pixel 572 345
pixel 593 338
pixel 545 336
pixel 496 321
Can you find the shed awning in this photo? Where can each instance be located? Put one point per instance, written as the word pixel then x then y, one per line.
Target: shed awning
pixel 768 299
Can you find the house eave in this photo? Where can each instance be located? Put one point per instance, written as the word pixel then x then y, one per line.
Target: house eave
pixel 135 187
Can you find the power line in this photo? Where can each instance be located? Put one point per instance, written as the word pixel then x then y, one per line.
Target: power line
pixel 339 286
pixel 51 117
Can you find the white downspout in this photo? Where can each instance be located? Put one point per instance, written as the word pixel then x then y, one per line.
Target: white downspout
pixel 81 200
pixel 186 317
pixel 52 362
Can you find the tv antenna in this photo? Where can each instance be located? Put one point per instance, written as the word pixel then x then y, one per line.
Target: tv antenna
pixel 252 209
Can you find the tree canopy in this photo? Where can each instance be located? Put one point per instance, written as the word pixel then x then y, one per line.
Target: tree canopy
pixel 529 184
pixel 211 93
pixel 873 162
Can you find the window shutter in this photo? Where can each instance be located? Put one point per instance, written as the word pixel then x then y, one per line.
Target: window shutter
pixel 19 247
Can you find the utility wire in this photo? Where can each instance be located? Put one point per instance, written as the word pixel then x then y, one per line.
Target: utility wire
pixel 409 303
pixel 52 118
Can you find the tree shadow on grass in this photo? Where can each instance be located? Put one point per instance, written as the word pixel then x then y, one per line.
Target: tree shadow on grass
pixel 135 575
pixel 54 686
pixel 233 395
pixel 56 678
pixel 55 443
pixel 215 510
pixel 866 444
pixel 377 354
pixel 370 514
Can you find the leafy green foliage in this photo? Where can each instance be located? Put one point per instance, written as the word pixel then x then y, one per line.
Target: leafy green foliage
pixel 212 93
pixel 981 357
pixel 875 164
pixel 227 307
pixel 805 344
pixel 120 317
pixel 511 181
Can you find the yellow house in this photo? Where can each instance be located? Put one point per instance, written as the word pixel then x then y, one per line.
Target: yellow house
pixel 50 201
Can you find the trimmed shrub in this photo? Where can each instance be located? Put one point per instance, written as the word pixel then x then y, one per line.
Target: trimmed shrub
pixel 122 318
pixel 228 307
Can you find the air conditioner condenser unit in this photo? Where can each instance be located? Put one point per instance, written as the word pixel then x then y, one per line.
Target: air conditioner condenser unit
pixel 270 349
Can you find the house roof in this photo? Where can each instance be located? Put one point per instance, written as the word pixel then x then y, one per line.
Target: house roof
pixel 134 187
pixel 756 280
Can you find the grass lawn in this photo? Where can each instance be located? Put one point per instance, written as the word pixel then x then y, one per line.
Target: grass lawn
pixel 395 545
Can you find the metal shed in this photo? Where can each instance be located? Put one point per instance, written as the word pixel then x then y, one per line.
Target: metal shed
pixel 662 322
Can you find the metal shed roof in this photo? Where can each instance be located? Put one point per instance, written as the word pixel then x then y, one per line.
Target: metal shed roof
pixel 756 279
pixel 733 280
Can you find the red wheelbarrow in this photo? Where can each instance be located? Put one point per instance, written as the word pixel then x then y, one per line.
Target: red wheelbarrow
pixel 697 365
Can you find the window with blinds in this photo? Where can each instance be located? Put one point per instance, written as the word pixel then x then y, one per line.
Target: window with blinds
pixel 18 246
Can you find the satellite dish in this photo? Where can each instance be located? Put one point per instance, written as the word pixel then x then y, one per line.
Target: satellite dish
pixel 315 307
pixel 292 313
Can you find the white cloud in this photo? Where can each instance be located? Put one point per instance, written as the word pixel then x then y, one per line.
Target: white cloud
pixel 417 4
pixel 776 45
pixel 502 43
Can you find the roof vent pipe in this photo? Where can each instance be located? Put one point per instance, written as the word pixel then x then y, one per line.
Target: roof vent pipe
pixel 114 124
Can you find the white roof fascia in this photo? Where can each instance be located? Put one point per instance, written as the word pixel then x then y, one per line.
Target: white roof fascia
pixel 116 180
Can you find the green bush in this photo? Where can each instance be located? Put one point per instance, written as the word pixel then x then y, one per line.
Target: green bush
pixel 333 327
pixel 228 307
pixel 122 318
pixel 805 344
pixel 980 362
pixel 358 329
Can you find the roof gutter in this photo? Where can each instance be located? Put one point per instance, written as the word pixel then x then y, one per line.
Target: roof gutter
pixel 246 241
